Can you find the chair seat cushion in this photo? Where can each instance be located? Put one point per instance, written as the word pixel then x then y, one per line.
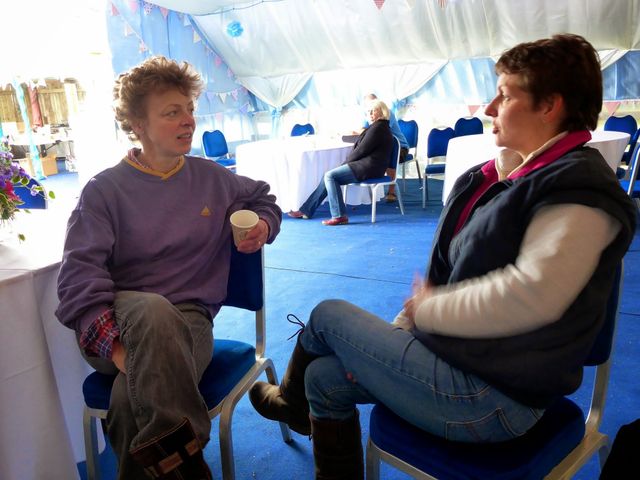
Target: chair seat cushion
pixel 226 162
pixel 373 181
pixel 408 158
pixel 531 456
pixel 231 360
pixel 435 168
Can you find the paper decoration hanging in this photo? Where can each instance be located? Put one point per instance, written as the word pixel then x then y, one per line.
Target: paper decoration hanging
pixel 133 5
pixel 611 107
pixel 128 30
pixel 234 94
pixel 217 60
pixel 379 3
pixel 147 7
pixel 114 11
pixel 473 109
pixel 164 12
pixel 196 37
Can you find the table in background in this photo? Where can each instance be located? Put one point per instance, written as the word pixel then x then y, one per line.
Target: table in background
pixel 469 150
pixel 294 166
pixel 41 369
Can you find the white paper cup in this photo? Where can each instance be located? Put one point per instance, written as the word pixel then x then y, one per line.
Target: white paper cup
pixel 241 222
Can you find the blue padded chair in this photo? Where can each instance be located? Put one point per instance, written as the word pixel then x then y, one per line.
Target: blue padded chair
pixel 215 148
pixel 234 367
pixel 630 186
pixel 31 201
pixel 556 447
pixel 300 130
pixel 468 126
pixel 410 131
pixel 374 183
pixel 633 141
pixel 437 144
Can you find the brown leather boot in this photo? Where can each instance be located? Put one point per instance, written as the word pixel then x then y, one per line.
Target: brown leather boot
pixel 174 455
pixel 337 448
pixel 287 402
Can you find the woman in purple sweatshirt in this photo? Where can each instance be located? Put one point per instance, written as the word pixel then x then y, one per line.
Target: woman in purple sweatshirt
pixel 146 262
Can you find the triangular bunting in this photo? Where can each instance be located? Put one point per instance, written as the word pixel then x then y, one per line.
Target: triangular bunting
pixel 611 107
pixel 114 11
pixel 185 21
pixel 147 7
pixel 210 96
pixel 219 116
pixel 217 60
pixel 379 3
pixel 196 37
pixel 473 109
pixel 128 30
pixel 234 94
pixel 133 5
pixel 223 96
pixel 142 47
pixel 164 12
pixel 229 73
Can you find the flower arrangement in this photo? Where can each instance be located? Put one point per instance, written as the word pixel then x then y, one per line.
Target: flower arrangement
pixel 12 176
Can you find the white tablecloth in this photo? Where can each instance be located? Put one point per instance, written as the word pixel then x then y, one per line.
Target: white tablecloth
pixel 469 150
pixel 294 166
pixel 41 369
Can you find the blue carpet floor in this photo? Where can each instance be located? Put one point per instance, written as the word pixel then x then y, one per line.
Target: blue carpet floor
pixel 371 265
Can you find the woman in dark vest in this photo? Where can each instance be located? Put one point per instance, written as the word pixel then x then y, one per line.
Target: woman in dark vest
pixel 521 267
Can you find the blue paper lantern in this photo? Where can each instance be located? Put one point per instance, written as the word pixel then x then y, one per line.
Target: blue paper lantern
pixel 234 29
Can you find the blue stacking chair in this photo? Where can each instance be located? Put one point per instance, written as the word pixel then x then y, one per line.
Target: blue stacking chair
pixel 374 183
pixel 630 186
pixel 468 126
pixel 234 368
pixel 31 201
pixel 437 144
pixel 300 130
pixel 216 148
pixel 624 124
pixel 410 131
pixel 556 447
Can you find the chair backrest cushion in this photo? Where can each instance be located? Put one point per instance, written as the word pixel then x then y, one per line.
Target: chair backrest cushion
pixel 438 141
pixel 245 285
pixel 299 130
pixel 395 153
pixel 409 129
pixel 626 124
pixel 214 143
pixel 468 126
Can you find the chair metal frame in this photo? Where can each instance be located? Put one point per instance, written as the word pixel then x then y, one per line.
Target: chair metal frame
pixel 248 266
pixel 436 147
pixel 593 440
pixel 411 132
pixel 630 184
pixel 374 183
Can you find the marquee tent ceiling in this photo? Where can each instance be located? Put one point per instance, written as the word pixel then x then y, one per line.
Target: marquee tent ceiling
pixel 283 37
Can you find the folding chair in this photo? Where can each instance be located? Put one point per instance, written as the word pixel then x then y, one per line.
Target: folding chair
pixel 374 183
pixel 437 144
pixel 410 131
pixel 468 126
pixel 234 368
pixel 555 448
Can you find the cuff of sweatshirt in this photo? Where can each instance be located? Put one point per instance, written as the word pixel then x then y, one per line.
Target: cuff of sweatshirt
pixel 97 340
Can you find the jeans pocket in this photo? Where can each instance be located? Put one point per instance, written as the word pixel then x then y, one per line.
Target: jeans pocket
pixel 493 427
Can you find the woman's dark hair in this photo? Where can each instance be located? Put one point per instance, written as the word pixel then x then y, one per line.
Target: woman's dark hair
pixel 154 75
pixel 564 64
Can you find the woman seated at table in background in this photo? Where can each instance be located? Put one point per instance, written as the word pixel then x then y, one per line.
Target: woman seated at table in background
pixel 521 267
pixel 368 159
pixel 145 269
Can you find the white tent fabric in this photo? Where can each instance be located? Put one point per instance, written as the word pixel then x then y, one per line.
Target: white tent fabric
pixel 284 41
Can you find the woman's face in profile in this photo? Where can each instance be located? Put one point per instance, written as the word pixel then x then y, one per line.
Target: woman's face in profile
pixel 374 114
pixel 515 119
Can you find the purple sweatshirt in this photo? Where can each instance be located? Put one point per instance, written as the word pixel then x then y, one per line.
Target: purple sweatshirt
pixel 133 230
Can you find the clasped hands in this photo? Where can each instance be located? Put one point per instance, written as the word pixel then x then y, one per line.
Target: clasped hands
pixel 421 290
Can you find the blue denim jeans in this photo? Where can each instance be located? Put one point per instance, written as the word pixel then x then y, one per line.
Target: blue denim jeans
pixel 330 187
pixel 364 359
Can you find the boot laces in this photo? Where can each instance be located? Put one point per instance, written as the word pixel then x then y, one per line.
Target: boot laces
pixel 295 321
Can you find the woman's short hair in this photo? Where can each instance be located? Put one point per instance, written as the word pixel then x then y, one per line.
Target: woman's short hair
pixel 154 75
pixel 564 64
pixel 381 107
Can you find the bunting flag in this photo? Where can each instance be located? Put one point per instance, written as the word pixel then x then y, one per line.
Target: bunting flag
pixel 219 116
pixel 379 3
pixel 244 109
pixel 229 73
pixel 442 3
pixel 234 94
pixel 142 47
pixel 196 37
pixel 164 12
pixel 128 30
pixel 114 11
pixel 473 109
pixel 611 107
pixel 147 7
pixel 133 5
pixel 185 21
pixel 223 96
pixel 210 96
pixel 217 60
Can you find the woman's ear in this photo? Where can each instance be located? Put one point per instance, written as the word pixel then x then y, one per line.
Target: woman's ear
pixel 553 109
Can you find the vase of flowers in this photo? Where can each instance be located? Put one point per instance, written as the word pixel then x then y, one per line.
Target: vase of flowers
pixel 12 176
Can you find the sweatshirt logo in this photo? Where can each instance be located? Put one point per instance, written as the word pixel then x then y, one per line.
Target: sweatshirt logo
pixel 205 212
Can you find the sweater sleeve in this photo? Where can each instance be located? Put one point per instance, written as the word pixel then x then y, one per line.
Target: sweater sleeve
pixel 560 252
pixel 85 286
